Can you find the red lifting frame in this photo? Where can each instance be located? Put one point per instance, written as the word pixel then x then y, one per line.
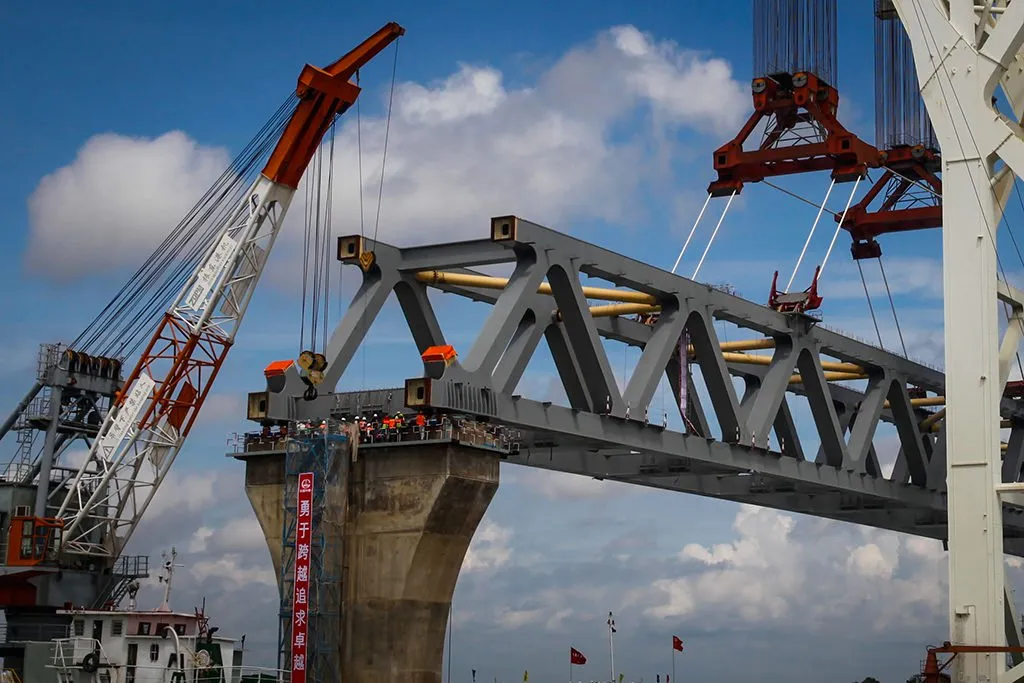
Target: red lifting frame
pixel 915 164
pixel 787 101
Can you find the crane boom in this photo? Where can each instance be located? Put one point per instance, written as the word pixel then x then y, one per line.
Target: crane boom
pixel 161 398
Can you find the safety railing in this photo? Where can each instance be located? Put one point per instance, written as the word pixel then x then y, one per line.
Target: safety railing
pixel 383 430
pixel 441 430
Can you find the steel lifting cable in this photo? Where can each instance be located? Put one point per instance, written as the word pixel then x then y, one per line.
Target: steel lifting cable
pixel 314 246
pixel 362 217
pixel 871 308
pixel 306 223
pixel 316 252
pixel 217 217
pixel 814 227
pixel 106 329
pixel 124 338
pixel 328 213
pixel 794 195
pixel 692 230
pixel 364 321
pixel 387 135
pixel 713 234
pixel 835 235
pixel 892 305
pixel 117 329
pixel 164 251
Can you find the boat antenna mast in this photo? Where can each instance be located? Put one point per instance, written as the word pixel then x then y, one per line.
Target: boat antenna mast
pixel 169 566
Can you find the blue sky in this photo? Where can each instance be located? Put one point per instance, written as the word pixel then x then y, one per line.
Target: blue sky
pixel 119 115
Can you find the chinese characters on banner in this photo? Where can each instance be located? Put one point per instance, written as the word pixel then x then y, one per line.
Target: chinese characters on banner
pixel 300 596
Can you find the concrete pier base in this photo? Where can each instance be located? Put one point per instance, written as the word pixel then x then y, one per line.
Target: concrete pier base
pixel 412 511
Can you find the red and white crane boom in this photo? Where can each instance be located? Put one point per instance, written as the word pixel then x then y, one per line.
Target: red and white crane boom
pixel 161 398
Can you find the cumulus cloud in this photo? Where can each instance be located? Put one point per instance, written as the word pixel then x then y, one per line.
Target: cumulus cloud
pixel 563 486
pixel 461 149
pixel 237 534
pixel 116 201
pixel 775 570
pixel 489 549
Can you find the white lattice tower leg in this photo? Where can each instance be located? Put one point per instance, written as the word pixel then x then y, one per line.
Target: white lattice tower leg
pixel 961 53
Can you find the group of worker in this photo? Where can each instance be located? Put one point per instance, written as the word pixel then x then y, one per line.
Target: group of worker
pixel 385 428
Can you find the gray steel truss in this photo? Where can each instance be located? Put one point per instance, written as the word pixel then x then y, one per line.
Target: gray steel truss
pixel 604 432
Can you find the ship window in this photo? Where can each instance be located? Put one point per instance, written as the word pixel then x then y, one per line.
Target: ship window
pixel 104 677
pixel 26 540
pixel 144 627
pixel 161 630
pixel 116 628
pixel 79 627
pixel 179 629
pixel 154 652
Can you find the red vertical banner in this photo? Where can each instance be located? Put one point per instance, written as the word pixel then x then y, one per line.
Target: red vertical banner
pixel 300 596
pixel 684 375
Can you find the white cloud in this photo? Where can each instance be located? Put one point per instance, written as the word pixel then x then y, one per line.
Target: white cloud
pixel 467 93
pixel 237 534
pixel 920 277
pixel 460 150
pixel 115 201
pixel 235 572
pixel 869 560
pixel 675 82
pixel 183 492
pixel 489 549
pixel 779 568
pixel 512 619
pixel 563 486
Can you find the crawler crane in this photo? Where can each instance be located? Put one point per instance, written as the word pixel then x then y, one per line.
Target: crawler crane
pixel 83 517
pixel 163 394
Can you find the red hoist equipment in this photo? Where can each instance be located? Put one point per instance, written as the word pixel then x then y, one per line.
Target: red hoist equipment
pixel 160 400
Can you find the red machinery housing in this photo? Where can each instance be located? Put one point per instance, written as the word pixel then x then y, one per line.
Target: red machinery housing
pixel 33 540
pixel 802 134
pixel 910 195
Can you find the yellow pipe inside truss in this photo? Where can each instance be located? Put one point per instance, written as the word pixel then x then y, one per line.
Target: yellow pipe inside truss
pixel 629 302
pixel 438 277
pixel 767 360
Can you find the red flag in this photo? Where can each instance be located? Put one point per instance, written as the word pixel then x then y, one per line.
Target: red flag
pixel 677 644
pixel 576 657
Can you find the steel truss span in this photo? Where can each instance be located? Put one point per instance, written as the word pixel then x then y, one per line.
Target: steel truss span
pixel 605 433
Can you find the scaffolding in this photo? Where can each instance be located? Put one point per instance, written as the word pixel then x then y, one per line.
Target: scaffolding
pixel 323 450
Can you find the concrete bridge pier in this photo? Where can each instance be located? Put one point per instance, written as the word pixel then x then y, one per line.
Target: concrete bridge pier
pixel 412 512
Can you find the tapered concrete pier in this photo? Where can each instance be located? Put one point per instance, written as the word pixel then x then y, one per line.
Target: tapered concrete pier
pixel 412 511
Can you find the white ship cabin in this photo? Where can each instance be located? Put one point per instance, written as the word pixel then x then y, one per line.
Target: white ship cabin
pixel 144 647
pixel 140 646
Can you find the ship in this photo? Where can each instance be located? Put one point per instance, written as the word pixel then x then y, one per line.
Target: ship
pixel 133 645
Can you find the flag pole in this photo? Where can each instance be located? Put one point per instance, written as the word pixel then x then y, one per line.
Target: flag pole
pixel 611 646
pixel 673 664
pixel 570 664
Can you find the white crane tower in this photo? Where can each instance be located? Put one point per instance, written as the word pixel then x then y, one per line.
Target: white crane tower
pixel 963 51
